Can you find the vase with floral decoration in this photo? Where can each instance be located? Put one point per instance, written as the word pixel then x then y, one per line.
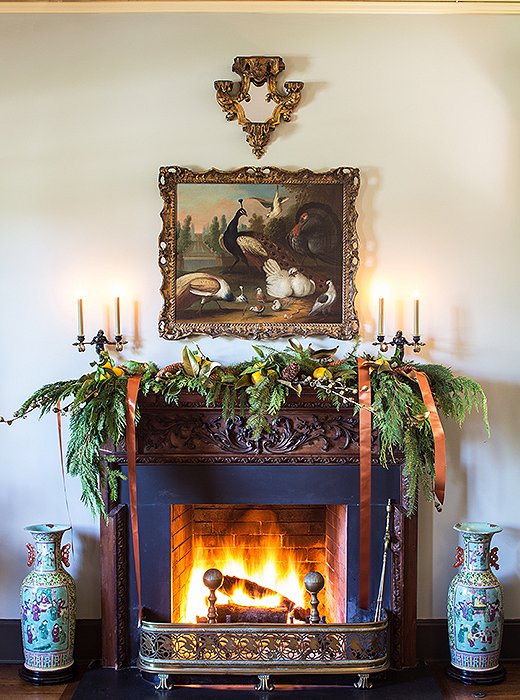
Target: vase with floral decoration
pixel 475 608
pixel 48 606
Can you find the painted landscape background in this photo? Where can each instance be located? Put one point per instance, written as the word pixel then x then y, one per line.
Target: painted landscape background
pixel 297 227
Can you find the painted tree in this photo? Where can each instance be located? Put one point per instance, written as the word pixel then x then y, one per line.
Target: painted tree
pixel 184 237
pixel 223 224
pixel 213 236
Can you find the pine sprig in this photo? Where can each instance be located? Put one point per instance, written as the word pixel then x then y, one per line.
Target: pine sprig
pixel 97 405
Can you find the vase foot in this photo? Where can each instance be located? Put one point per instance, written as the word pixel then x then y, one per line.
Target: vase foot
pixel 495 675
pixel 62 675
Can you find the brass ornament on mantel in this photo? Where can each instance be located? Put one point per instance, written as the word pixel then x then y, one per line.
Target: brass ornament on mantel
pixel 259 70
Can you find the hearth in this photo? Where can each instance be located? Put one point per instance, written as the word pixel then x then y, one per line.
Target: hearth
pixel 210 496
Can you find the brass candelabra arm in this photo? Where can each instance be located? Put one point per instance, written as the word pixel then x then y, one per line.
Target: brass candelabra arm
pixel 99 341
pixel 399 342
pixel 417 345
pixel 80 344
pixel 383 346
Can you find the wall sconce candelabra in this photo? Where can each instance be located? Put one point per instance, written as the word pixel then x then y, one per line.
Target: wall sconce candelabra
pixel 261 72
pixel 99 340
pixel 399 341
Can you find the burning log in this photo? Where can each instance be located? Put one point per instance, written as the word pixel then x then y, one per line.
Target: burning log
pixel 255 591
pixel 230 612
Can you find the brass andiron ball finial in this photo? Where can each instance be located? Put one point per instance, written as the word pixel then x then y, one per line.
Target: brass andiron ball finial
pixel 212 579
pixel 314 582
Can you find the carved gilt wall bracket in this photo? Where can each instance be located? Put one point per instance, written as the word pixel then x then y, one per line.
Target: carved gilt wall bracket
pixel 260 71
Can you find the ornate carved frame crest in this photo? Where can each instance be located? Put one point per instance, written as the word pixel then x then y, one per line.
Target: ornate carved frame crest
pixel 259 70
pixel 172 326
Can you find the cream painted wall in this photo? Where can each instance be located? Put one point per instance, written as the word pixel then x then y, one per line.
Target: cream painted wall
pixel 426 107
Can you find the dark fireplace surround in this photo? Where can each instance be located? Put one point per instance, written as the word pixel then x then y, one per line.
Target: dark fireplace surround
pixel 196 473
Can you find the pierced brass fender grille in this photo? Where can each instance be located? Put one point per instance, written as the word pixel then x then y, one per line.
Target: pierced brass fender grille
pixel 248 649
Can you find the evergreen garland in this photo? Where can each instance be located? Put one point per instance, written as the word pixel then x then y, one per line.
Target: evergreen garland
pixel 97 404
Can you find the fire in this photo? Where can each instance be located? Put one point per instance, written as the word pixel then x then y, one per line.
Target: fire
pixel 286 579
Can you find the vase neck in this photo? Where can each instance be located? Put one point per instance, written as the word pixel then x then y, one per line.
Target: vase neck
pixel 476 551
pixel 48 551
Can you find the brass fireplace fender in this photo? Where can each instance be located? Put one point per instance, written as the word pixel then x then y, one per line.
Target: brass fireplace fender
pixel 351 648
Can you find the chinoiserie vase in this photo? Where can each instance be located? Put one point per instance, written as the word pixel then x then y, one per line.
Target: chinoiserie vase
pixel 48 606
pixel 475 608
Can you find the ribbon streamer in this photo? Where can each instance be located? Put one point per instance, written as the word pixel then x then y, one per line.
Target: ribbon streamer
pixel 365 480
pixel 438 436
pixel 132 390
pixel 64 481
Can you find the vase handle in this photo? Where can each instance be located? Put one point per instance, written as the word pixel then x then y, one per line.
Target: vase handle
pixel 459 558
pixel 65 555
pixel 493 558
pixel 31 554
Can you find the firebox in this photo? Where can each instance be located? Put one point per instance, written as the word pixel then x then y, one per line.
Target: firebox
pixel 264 552
pixel 263 513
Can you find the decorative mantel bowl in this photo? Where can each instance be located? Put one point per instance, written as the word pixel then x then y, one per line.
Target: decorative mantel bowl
pixel 475 608
pixel 48 606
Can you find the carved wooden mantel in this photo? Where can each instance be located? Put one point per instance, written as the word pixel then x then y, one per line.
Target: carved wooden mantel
pixel 307 432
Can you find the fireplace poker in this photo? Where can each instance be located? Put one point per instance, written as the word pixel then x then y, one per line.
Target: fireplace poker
pixel 379 605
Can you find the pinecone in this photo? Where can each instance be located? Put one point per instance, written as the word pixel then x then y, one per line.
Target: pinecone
pixel 169 370
pixel 291 372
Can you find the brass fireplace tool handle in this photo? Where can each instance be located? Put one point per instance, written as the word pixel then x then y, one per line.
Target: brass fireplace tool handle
pixel 388 537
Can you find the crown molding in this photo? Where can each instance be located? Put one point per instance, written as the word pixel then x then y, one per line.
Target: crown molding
pixel 440 7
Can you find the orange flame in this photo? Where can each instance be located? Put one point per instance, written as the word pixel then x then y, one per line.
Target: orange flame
pixel 265 569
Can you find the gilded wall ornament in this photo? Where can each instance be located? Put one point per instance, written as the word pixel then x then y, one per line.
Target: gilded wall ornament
pixel 245 103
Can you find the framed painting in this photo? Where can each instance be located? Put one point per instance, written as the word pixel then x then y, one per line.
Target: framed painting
pixel 258 252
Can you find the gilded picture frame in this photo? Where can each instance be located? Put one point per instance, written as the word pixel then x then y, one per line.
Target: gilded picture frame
pixel 258 252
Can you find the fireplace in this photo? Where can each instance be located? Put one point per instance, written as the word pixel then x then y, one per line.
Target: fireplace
pixel 207 489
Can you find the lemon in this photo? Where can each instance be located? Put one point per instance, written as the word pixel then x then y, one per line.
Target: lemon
pixel 257 377
pixel 322 373
pixel 272 373
pixel 116 370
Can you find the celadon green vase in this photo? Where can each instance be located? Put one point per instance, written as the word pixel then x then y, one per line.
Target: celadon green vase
pixel 48 609
pixel 475 608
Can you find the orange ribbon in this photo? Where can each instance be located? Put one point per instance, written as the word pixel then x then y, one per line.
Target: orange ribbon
pixel 365 480
pixel 438 435
pixel 63 479
pixel 132 390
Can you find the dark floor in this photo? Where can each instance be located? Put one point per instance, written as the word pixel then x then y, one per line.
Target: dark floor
pixel 405 687
pixel 99 684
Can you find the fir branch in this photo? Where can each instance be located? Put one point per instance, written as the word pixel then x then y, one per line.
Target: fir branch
pixel 97 407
